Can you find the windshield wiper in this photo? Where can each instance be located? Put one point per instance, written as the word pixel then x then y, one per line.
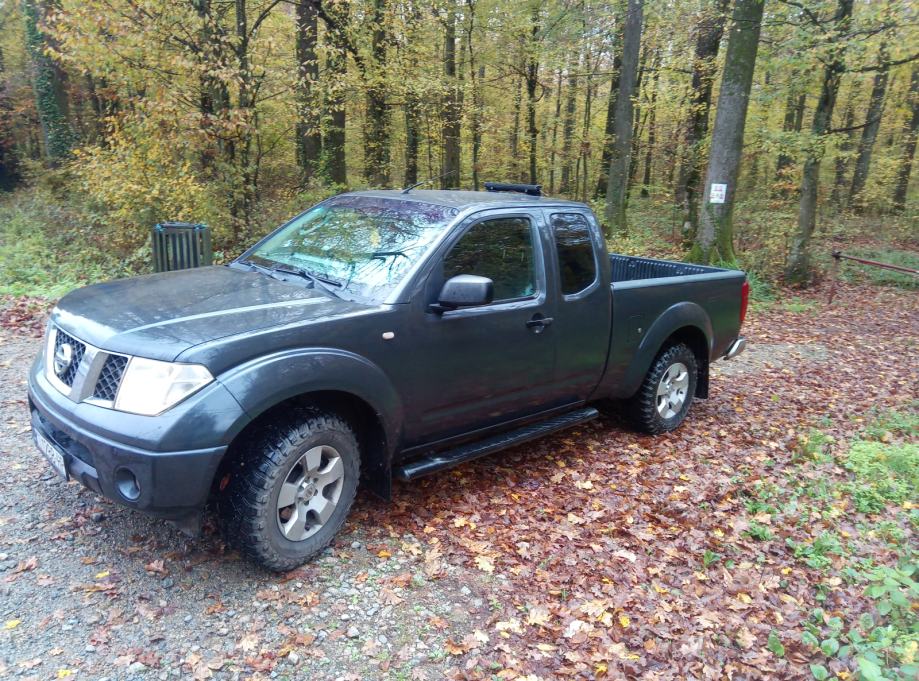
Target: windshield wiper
pixel 317 280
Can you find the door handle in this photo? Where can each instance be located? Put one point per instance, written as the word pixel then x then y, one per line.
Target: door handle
pixel 538 323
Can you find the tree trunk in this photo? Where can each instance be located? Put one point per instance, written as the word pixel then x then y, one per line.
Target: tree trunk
pixel 476 76
pixel 869 132
pixel 798 269
pixel 532 81
pixel 555 119
pixel 695 127
pixel 841 170
pixel 909 145
pixel 450 172
pixel 515 132
pixel 652 132
pixel 49 84
pixel 638 122
pixel 376 131
pixel 715 238
pixel 618 179
pixel 608 127
pixel 564 186
pixel 309 134
pixel 794 115
pixel 333 142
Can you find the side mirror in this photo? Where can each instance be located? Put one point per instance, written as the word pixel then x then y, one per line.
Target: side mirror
pixel 464 290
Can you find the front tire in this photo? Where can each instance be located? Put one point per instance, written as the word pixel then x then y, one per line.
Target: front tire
pixel 664 398
pixel 291 490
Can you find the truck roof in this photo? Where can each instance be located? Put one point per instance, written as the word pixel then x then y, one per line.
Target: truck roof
pixel 461 199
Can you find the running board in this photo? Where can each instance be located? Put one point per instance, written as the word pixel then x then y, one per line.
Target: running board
pixel 441 461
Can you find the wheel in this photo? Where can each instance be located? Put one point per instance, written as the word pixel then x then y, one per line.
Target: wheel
pixel 662 401
pixel 291 490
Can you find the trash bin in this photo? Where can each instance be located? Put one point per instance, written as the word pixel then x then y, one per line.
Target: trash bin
pixel 180 246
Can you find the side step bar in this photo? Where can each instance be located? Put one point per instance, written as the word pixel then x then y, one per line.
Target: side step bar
pixel 441 461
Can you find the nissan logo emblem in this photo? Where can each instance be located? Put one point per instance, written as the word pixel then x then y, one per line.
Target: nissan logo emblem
pixel 63 357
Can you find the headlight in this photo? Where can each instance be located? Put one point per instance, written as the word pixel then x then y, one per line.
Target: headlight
pixel 150 387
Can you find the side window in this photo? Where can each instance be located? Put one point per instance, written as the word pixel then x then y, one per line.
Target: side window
pixel 500 249
pixel 577 265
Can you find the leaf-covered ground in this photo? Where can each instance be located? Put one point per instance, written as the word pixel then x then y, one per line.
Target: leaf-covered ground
pixel 769 537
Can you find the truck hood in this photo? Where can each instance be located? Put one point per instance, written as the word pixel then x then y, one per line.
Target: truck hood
pixel 161 315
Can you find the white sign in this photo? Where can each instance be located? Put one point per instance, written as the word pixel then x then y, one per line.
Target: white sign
pixel 717 193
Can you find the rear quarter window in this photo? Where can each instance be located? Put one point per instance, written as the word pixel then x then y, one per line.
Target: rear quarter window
pixel 577 262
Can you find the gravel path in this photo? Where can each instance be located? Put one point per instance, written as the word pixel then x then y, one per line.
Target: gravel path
pixel 91 590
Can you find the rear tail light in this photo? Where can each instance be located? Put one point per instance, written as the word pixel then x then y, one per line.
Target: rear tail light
pixel 744 299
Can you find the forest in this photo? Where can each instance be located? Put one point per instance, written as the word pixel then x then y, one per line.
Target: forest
pixel 118 114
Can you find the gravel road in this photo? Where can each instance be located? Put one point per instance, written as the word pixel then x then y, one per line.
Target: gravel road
pixel 91 590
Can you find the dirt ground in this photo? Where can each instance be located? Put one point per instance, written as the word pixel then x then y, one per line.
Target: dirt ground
pixel 575 556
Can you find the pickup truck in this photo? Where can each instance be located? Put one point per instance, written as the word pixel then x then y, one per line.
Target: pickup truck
pixel 379 334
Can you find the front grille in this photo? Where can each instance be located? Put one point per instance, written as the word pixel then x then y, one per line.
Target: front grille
pixel 110 377
pixel 77 350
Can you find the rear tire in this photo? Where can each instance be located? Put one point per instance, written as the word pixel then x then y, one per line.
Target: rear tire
pixel 291 490
pixel 665 395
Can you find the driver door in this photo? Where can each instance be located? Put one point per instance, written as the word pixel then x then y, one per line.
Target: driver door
pixel 480 366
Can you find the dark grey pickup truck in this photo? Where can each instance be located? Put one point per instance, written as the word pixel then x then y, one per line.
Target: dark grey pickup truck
pixel 379 334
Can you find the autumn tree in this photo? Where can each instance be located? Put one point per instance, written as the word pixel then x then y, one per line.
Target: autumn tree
pixel 49 81
pixel 715 239
pixel 620 156
pixel 798 269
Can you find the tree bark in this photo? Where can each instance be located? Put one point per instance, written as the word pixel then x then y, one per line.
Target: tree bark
pixel 909 145
pixel 308 130
pixel 869 132
pixel 558 115
pixel 798 269
pixel 794 115
pixel 607 150
pixel 709 31
pixel 376 130
pixel 450 172
pixel 841 169
pixel 333 142
pixel 620 156
pixel 564 186
pixel 49 84
pixel 476 76
pixel 515 131
pixel 652 132
pixel 715 239
pixel 532 81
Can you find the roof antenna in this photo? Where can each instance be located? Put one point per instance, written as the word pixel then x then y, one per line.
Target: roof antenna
pixel 430 179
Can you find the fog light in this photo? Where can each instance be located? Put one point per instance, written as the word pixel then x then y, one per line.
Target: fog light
pixel 127 484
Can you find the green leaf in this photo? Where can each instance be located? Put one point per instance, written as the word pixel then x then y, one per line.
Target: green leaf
pixel 820 672
pixel 866 622
pixel 869 670
pixel 834 623
pixel 808 639
pixel 829 647
pixel 774 644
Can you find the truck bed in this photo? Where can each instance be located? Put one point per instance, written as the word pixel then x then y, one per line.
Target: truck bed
pixel 631 268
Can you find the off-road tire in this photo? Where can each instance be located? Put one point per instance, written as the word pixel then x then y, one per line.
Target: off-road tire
pixel 641 408
pixel 247 504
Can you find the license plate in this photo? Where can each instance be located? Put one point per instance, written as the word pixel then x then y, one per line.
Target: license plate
pixel 52 453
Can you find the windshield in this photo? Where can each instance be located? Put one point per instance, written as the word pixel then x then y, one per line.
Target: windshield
pixel 362 244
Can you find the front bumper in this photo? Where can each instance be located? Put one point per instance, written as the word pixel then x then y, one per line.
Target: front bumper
pixel 172 457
